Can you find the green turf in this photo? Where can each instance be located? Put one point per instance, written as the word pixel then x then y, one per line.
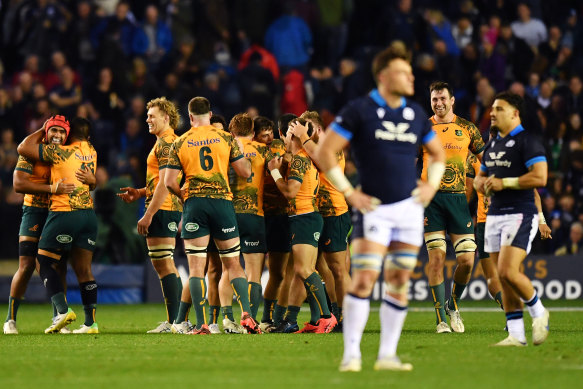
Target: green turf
pixel 124 356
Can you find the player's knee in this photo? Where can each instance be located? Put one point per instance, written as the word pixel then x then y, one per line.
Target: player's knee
pixel 465 245
pixel 231 252
pixel 401 260
pixel 397 287
pixel 369 261
pixel 161 251
pixel 435 242
pixel 27 248
pixel 190 249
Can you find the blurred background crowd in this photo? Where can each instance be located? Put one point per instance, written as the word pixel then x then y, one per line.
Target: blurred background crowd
pixel 104 59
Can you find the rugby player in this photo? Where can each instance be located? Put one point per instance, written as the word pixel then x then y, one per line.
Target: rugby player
pixel 385 131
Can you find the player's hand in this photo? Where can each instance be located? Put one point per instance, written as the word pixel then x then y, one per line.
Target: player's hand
pixel 129 195
pixel 298 129
pixel 85 176
pixel 493 184
pixel 545 231
pixel 144 224
pixel 64 188
pixel 423 193
pixel 363 202
pixel 275 163
pixel 479 183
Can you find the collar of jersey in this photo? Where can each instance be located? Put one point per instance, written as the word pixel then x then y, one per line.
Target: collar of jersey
pixel 377 98
pixel 517 130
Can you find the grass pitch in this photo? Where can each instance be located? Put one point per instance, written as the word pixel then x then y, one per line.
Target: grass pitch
pixel 123 356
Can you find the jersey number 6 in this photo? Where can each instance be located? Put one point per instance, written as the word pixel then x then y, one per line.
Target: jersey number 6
pixel 206 161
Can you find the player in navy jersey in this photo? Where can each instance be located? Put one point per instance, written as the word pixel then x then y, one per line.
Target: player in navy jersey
pixel 385 131
pixel 514 163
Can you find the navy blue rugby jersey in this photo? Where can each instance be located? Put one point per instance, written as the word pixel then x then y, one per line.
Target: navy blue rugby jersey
pixel 512 156
pixel 385 143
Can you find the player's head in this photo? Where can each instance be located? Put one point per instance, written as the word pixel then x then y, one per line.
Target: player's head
pixel 283 123
pixel 80 128
pixel 442 99
pixel 306 123
pixel 219 122
pixel 162 113
pixel 57 129
pixel 505 113
pixel 241 125
pixel 392 71
pixel 199 110
pixel 263 128
pixel 314 118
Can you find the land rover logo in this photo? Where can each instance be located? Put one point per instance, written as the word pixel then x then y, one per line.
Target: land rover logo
pixel 191 227
pixel 64 238
pixel 172 226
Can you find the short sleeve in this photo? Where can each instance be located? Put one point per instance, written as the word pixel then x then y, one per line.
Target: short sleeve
pixel 236 153
pixel 24 165
pixel 173 161
pixel 533 151
pixel 476 142
pixel 347 122
pixel 162 152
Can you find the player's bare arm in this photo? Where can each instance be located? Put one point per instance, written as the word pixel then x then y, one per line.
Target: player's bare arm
pixel 28 148
pixel 242 167
pixel 289 188
pixel 160 194
pixel 22 184
pixel 535 178
pixel 544 229
pixel 129 195
pixel 172 184
pixel 86 176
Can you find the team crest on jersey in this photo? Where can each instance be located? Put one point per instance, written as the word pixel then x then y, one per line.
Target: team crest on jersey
pixel 381 112
pixel 408 113
pixel 458 132
pixel 172 226
pixel 191 227
pixel 510 143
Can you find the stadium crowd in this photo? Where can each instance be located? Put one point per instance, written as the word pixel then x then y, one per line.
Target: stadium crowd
pixel 104 59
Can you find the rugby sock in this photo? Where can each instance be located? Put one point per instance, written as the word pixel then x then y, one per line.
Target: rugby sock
pixel 89 299
pixel 535 306
pixel 254 298
pixel 356 312
pixel 515 324
pixel 227 312
pixel 315 289
pixel 292 314
pixel 171 295
pixel 214 311
pixel 13 304
pixel 278 313
pixel 240 287
pixel 58 299
pixel 268 306
pixel 392 315
pixel 438 294
pixel 183 312
pixel 335 310
pixel 498 299
pixel 198 294
pixel 179 288
pixel 55 313
pixel 339 317
pixel 456 294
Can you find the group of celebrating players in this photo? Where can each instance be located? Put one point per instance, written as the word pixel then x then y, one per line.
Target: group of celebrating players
pixel 237 190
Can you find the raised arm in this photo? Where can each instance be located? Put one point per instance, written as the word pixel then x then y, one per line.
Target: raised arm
pixel 29 147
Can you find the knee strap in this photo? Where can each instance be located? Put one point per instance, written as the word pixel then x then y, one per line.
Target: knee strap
pixel 231 252
pixel 195 250
pixel 369 261
pixel 435 241
pixel 401 260
pixel 465 244
pixel 161 251
pixel 27 248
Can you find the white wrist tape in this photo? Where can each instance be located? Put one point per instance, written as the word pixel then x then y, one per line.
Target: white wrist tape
pixel 541 218
pixel 276 174
pixel 434 173
pixel 510 183
pixel 339 180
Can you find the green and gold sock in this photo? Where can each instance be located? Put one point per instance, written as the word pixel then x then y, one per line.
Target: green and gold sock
pixel 198 294
pixel 60 302
pixel 254 298
pixel 456 294
pixel 183 312
pixel 171 296
pixel 278 313
pixel 498 299
pixel 227 312
pixel 13 304
pixel 316 297
pixel 268 307
pixel 214 311
pixel 438 295
pixel 55 312
pixel 291 315
pixel 179 288
pixel 240 287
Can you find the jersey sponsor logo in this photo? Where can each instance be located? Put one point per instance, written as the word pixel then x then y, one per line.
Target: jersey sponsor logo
pixel 34 228
pixel 205 142
pixel 497 155
pixel 450 146
pixel 91 242
pixel 510 143
pixel 172 226
pixel 497 161
pixel 316 236
pixel 228 229
pixel 394 132
pixel 408 113
pixel 191 227
pixel 64 238
pixel 84 158
pixel 381 113
pixel 251 244
pixel 250 155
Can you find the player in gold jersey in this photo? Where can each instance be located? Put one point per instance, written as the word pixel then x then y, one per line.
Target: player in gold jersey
pixel 204 153
pixel 163 210
pixel 448 211
pixel 301 188
pixel 71 223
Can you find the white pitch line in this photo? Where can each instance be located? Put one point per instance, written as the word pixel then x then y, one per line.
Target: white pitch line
pixel 473 309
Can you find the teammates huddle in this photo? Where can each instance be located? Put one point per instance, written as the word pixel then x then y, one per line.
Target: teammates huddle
pixel 245 193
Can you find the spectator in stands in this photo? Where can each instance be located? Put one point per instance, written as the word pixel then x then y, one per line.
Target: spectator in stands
pixel 575 97
pixel 153 39
pixel 574 244
pixel 533 31
pixel 66 95
pixel 257 86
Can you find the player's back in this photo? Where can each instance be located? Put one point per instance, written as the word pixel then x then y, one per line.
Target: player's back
pixel 303 169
